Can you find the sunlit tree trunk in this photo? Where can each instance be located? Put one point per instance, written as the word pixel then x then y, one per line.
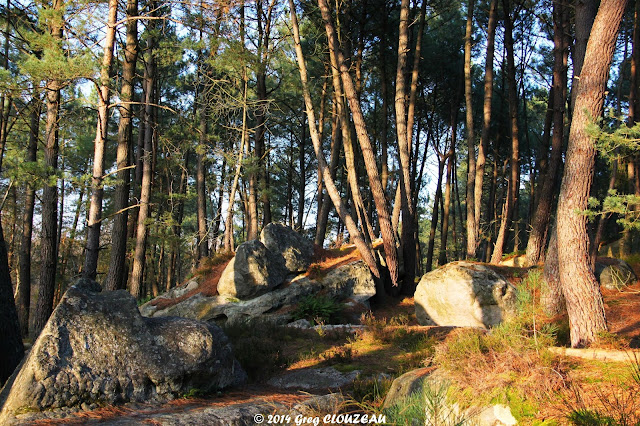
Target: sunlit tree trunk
pixel 512 194
pixel 116 277
pixel 404 129
pixel 49 236
pixel 581 290
pixel 144 212
pixel 472 226
pixel 486 121
pixel 97 190
pixel 334 193
pixel 388 236
pixel 540 223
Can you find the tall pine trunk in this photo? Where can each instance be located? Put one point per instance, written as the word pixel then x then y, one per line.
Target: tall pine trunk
pixel 144 212
pixel 581 290
pixel 512 193
pixel 116 277
pixel 486 120
pixel 24 255
pixel 97 190
pixel 540 222
pixel 49 236
pixel 388 236
pixel 472 226
pixel 332 190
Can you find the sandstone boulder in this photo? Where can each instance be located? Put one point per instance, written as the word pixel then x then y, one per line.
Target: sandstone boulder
pixel 515 261
pixel 254 270
pixel 614 274
pixel 289 246
pixel 97 348
pixel 406 385
pixel 464 294
pixel 353 281
pixel 227 308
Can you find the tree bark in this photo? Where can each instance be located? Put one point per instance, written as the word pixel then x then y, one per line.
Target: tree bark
pixel 356 235
pixel 486 123
pixel 116 277
pixel 388 237
pixel 24 255
pixel 49 236
pixel 540 222
pixel 508 211
pixel 336 142
pixel 97 191
pixel 201 190
pixel 585 13
pixel 581 290
pixel 551 297
pixel 144 211
pixel 404 130
pixel 472 226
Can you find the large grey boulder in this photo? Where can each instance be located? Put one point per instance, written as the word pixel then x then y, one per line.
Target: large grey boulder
pixel 291 248
pixel 97 348
pixel 464 294
pixel 210 308
pixel 254 270
pixel 615 274
pixel 405 386
pixel 353 281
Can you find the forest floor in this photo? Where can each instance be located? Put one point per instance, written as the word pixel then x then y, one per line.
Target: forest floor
pixel 510 365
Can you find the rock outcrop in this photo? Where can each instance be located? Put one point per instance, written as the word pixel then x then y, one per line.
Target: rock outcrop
pixel 98 349
pixel 406 385
pixel 464 294
pixel 289 246
pixel 614 274
pixel 254 270
pixel 351 281
pixel 439 408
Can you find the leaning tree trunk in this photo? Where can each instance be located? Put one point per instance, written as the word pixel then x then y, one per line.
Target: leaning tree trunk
pixel 581 290
pixel 540 223
pixel 116 277
pixel 334 193
pixel 379 198
pixel 585 13
pixel 97 191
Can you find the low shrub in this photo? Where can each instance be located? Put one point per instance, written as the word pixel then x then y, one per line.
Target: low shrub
pixel 319 309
